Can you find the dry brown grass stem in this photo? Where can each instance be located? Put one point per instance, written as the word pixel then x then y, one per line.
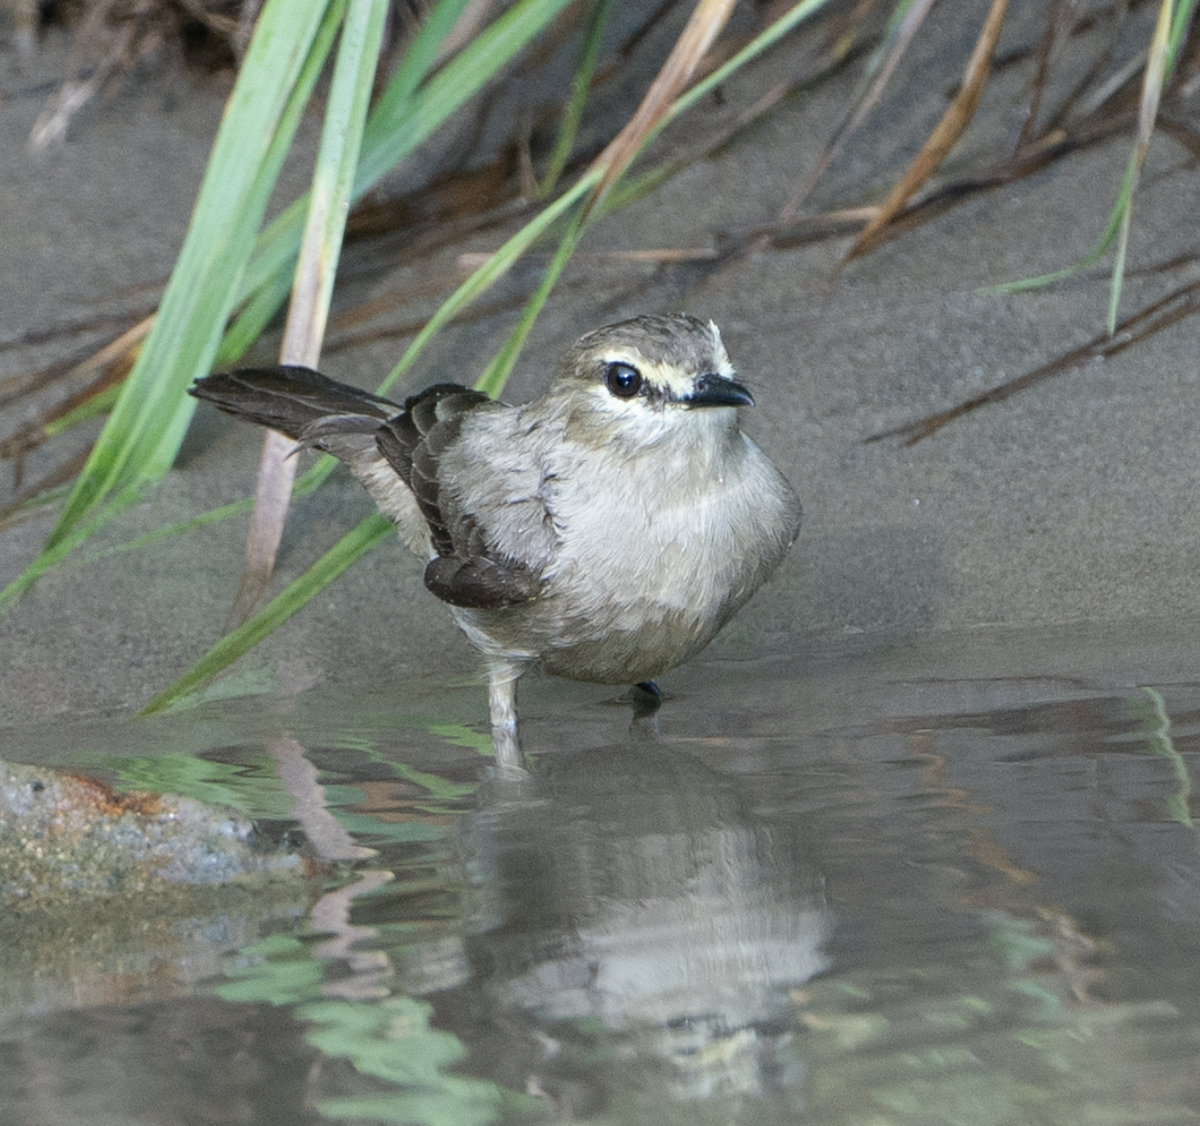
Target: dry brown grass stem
pixel 701 30
pixel 956 118
pixel 113 362
pixel 862 107
pixel 1179 304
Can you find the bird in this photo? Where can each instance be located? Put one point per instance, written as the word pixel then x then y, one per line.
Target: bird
pixel 605 531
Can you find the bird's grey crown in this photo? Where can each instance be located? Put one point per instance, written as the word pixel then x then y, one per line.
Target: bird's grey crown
pixel 677 339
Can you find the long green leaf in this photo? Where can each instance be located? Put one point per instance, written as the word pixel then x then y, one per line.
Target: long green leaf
pixel 279 243
pixel 231 202
pixel 483 278
pixel 233 645
pixel 337 158
pixel 581 83
pixel 1158 69
pixel 268 278
pixel 492 381
pixel 305 484
pixel 321 246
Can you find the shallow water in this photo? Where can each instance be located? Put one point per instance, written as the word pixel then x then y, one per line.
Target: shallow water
pixel 882 882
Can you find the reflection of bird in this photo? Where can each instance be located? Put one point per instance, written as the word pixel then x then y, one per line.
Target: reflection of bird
pixel 606 530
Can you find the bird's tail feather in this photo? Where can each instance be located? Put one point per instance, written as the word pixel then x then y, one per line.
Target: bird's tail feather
pixel 301 403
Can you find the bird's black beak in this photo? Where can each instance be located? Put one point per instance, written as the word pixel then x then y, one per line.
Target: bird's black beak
pixel 714 390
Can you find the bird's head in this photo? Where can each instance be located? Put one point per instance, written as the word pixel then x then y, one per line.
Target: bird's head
pixel 644 379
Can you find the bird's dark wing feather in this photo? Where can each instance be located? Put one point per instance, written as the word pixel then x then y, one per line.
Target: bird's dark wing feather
pixel 413 440
pixel 466 572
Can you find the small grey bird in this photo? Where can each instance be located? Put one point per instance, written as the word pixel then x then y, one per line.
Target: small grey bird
pixel 607 530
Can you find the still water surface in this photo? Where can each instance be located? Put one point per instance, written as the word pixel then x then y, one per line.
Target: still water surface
pixel 875 884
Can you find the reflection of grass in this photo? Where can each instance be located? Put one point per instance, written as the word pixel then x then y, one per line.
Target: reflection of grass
pixel 251 787
pixel 390 1040
pixel 1158 739
pixel 421 809
pixel 909 1046
pixel 994 1042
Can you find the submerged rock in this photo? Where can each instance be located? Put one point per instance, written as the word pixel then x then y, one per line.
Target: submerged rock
pixel 66 836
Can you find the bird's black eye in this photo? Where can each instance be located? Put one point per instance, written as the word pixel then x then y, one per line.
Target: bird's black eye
pixel 623 380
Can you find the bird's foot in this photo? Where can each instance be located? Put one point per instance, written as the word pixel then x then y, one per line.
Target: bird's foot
pixel 647 699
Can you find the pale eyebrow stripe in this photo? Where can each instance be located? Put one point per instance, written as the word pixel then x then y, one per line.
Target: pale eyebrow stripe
pixel 633 358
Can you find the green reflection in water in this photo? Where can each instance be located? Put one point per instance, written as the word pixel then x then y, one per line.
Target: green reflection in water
pixel 252 786
pixel 1158 739
pixel 905 1047
pixel 388 1039
pixel 392 1041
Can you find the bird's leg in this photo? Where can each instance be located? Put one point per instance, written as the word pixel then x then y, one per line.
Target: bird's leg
pixel 502 706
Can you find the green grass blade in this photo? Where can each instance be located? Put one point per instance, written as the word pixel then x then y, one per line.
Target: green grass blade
pixel 1118 274
pixel 1154 81
pixel 212 516
pixel 254 317
pixel 581 84
pixel 196 303
pixel 337 158
pixel 482 279
pixel 279 243
pixel 492 381
pixel 421 57
pixel 1106 240
pixel 321 246
pixel 1169 32
pixel 97 404
pixel 233 645
pixel 308 482
pixel 397 125
pixel 268 276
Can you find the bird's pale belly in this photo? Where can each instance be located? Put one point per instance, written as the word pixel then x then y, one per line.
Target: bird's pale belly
pixel 592 651
pixel 585 630
pixel 630 657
